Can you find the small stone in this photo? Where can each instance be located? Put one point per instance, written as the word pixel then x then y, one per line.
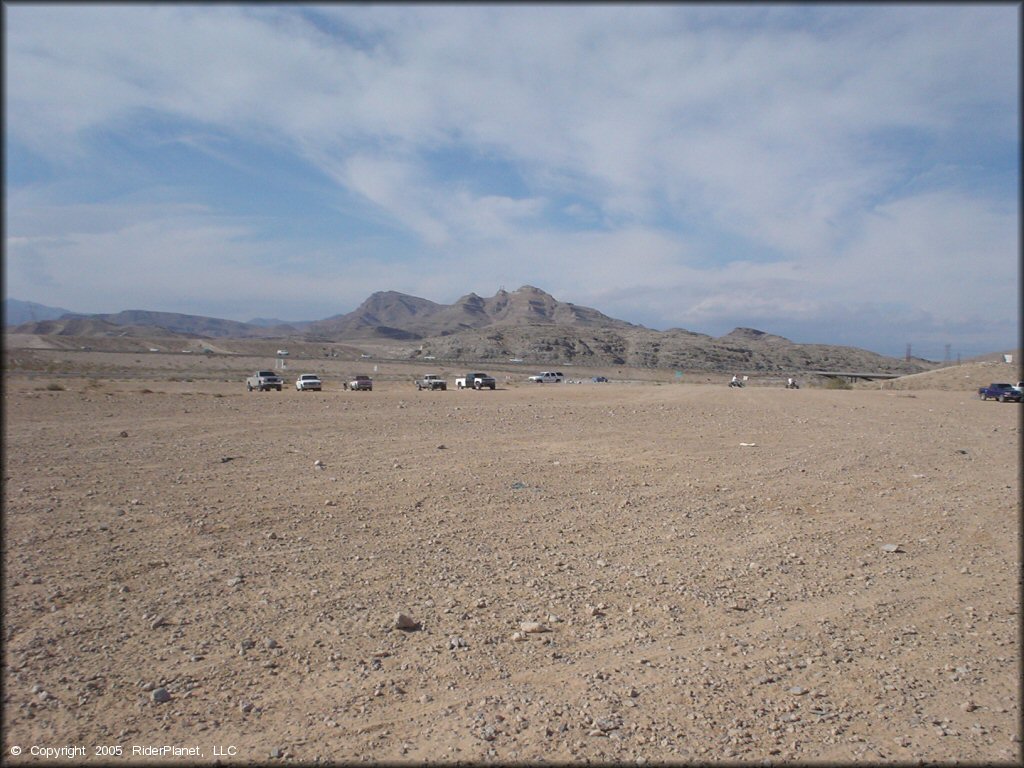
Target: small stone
pixel 892 548
pixel 968 706
pixel 124 433
pixel 159 621
pixel 455 642
pixel 160 696
pixel 533 627
pixel 796 690
pixel 441 447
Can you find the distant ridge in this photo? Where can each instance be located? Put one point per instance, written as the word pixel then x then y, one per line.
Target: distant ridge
pixel 168 323
pixel 388 314
pixel 17 312
pixel 527 324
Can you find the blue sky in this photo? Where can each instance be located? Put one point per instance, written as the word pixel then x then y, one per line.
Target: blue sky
pixel 832 174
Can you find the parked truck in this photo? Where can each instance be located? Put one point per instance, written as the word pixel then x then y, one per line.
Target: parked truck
pixel 1004 393
pixel 431 381
pixel 264 380
pixel 475 381
pixel 361 383
pixel 308 382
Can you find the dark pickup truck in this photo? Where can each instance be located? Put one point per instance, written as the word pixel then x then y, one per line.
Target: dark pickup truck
pixel 361 383
pixel 475 381
pixel 1004 393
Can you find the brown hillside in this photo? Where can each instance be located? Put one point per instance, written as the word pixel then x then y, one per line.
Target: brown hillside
pixel 967 377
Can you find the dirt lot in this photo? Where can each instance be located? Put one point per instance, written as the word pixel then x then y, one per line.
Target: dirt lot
pixel 189 564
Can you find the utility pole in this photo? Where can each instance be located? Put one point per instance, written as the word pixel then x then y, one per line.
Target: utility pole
pixel 908 351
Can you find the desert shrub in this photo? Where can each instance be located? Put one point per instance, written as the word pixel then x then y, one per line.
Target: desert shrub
pixel 838 384
pixel 54 387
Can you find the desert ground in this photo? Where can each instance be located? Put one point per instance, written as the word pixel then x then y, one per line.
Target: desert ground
pixel 657 569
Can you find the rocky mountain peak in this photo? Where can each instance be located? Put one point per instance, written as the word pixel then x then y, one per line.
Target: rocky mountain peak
pixel 753 334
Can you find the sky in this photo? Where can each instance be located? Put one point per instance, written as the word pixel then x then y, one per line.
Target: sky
pixel 828 173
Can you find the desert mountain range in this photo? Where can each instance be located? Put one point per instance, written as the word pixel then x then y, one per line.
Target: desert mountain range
pixel 527 324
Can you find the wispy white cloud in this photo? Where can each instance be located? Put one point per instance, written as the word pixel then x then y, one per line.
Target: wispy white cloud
pixel 687 165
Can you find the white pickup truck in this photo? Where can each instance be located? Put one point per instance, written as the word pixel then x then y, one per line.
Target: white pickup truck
pixel 264 380
pixel 308 382
pixel 475 381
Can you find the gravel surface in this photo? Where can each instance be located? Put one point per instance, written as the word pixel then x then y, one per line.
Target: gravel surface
pixel 607 573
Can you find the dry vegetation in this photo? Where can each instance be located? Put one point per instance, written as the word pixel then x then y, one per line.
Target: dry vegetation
pixel 724 575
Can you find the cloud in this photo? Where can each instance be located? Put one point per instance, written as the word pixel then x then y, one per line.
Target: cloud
pixel 685 164
pixel 948 253
pixel 391 184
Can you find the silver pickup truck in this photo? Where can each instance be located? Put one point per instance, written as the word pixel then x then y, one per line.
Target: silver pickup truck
pixel 262 380
pixel 431 381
